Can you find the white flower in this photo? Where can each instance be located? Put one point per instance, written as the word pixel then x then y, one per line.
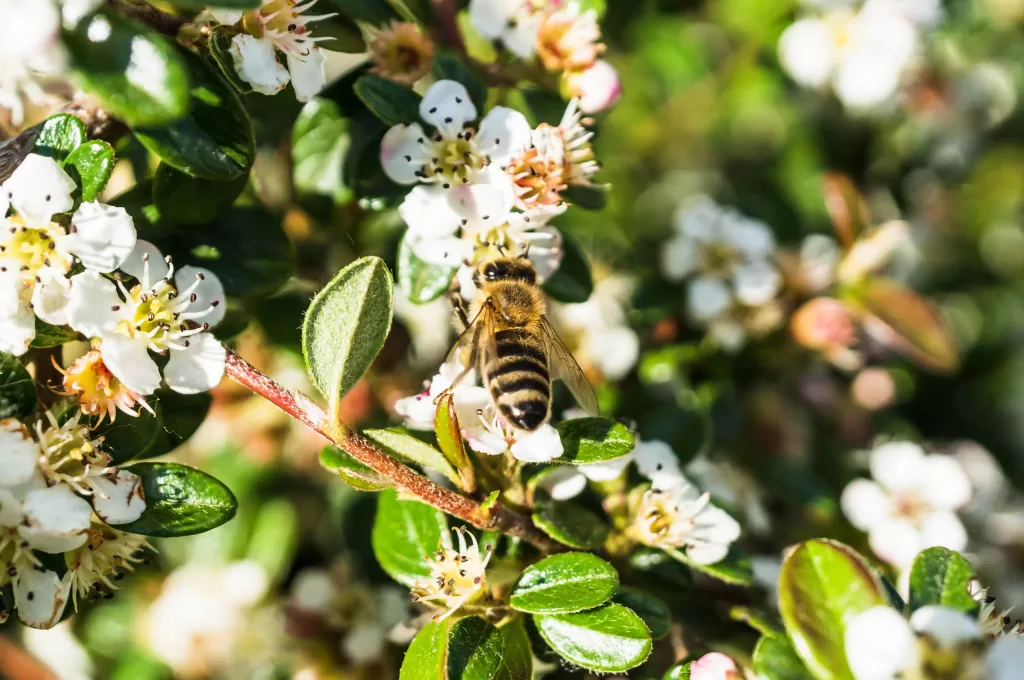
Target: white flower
pixel 158 314
pixel 605 339
pixel 492 435
pixel 419 410
pixel 102 560
pixel 30 48
pixel 36 253
pixel 863 53
pixel 911 503
pixel 992 621
pixel 514 22
pixel 456 156
pixel 278 26
pixel 682 517
pixel 658 462
pixel 456 575
pixel 597 87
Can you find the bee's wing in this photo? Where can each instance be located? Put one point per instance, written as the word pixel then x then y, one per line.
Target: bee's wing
pixel 478 338
pixel 564 366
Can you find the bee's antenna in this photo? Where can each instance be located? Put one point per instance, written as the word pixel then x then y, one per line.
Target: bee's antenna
pixel 526 253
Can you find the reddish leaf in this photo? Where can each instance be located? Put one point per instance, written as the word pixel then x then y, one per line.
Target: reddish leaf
pixel 846 207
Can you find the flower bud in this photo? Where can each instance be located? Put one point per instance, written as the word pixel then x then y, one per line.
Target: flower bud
pixel 597 87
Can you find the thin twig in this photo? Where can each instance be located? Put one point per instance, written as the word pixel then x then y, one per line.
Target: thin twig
pixel 446 25
pixel 305 410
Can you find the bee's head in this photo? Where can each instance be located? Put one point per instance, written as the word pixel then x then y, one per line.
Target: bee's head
pixel 506 269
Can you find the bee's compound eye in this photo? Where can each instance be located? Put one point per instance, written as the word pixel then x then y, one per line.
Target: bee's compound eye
pixel 491 272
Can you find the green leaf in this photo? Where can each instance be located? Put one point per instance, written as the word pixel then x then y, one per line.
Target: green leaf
pixel 351 471
pixel 588 197
pixel 180 417
pixel 51 336
pixel 375 12
pixel 598 6
pixel 572 281
pixel 450 67
pixel 678 672
pixel 219 44
pixel 127 438
pixel 686 430
pixel 320 141
pixel 90 165
pixel 420 281
pixel 346 325
pixel 215 140
pixel 593 440
pixel 775 659
pixel 221 4
pixel 762 621
pixel 734 569
pixel 412 450
pixel 392 103
pixel 564 583
pixel 344 33
pixel 651 609
pixel 823 584
pixel 185 199
pixel 656 569
pixel 609 639
pixel 404 534
pixel 17 389
pixel 59 136
pixel 137 75
pixel 941 576
pixel 571 524
pixel 449 436
pixel 180 501
pixel 546 106
pixel 426 657
pixel 479 651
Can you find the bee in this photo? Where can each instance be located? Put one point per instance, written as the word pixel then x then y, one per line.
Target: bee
pixel 506 335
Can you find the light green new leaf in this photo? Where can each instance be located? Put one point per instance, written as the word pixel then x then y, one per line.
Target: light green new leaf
pixel 593 440
pixel 320 141
pixel 346 325
pixel 941 576
pixel 91 165
pixel 17 390
pixel 571 524
pixel 48 335
pixel 823 584
pixel 564 583
pixel 180 501
pixel 412 450
pixel 468 649
pixel 427 656
pixel 609 639
pixel 59 136
pixel 420 281
pixel 404 534
pixel 351 471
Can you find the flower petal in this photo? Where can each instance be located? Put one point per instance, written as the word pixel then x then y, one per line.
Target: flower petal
pixel 418 411
pixel 17 331
pixel 50 300
pixel 491 17
pixel 898 466
pixel 56 520
pixel 447 106
pixel 10 509
pixel 879 644
pixel 564 482
pixel 118 497
pixel 757 283
pixel 209 293
pixel 947 626
pixel 103 237
pixel 658 462
pixel 943 528
pixel 606 471
pixel 1005 658
pixel 402 154
pixel 806 52
pixel 146 263
pixel 39 189
pixel 540 446
pixel 678 257
pixel 128 359
pixel 896 541
pixel 18 453
pixel 504 133
pixel 864 503
pixel 425 210
pixel 227 17
pixel 450 251
pixel 707 553
pixel 307 73
pixel 521 36
pixel 486 200
pixel 597 87
pixel 707 298
pixel 93 306
pixel 256 63
pixel 41 596
pixel 198 367
pixel 945 484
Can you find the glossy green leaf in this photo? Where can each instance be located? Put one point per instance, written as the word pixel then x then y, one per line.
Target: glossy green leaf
pixel 375 12
pixel 762 621
pixel 48 335
pixel 734 569
pixel 572 281
pixel 392 103
pixel 545 105
pixel 941 576
pixel 775 659
pixel 420 281
pixel 426 658
pixel 220 46
pixel 180 417
pixel 585 196
pixel 450 67
pixel 404 534
pixel 17 389
pixel 136 74
pixel 215 140
pixel 185 199
pixel 593 440
pixel 479 651
pixel 678 672
pixel 320 141
pixel 59 135
pixel 609 639
pixel 90 166
pixel 656 569
pixel 344 33
pixel 351 471
pixel 651 609
pixel 571 524
pixel 563 583
pixel 346 325
pixel 412 450
pixel 180 501
pixel 823 584
pixel 127 438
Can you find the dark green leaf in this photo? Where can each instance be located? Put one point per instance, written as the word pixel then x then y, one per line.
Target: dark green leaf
pixel 90 165
pixel 609 639
pixel 215 139
pixel 346 325
pixel 17 390
pixel 734 569
pixel 412 450
pixel 479 651
pixel 762 621
pixel 392 103
pixel 59 136
pixel 656 569
pixel 571 524
pixel 185 199
pixel 652 610
pixel 375 12
pixel 593 440
pixel 687 431
pixel 351 471
pixel 822 585
pixel 563 583
pixel 941 576
pixel 320 141
pixel 51 336
pixel 219 44
pixel 775 659
pixel 547 106
pixel 137 75
pixel 221 4
pixel 180 417
pixel 450 67
pixel 585 196
pixel 127 438
pixel 419 281
pixel 571 282
pixel 344 35
pixel 404 534
pixel 180 501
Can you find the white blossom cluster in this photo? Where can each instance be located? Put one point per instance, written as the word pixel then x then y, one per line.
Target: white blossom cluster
pixel 58 492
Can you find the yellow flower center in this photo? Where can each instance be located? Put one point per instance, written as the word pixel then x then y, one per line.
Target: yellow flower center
pixel 98 391
pixel 456 159
pixel 35 248
pixel 153 316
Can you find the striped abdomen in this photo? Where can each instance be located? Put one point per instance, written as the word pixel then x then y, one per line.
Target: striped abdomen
pixel 518 379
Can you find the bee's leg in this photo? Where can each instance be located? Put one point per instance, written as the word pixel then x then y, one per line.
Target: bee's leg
pixel 458 304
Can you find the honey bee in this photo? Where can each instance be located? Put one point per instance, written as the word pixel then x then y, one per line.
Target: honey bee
pixel 505 334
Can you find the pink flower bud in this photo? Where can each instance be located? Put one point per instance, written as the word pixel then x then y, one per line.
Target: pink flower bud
pixel 714 666
pixel 597 87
